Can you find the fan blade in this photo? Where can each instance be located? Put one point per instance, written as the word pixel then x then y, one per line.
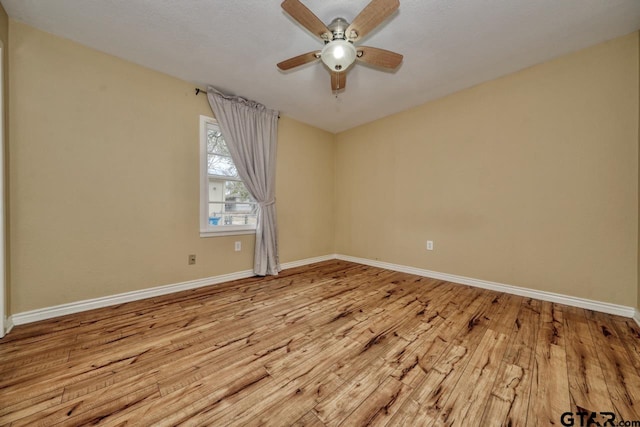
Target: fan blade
pixel 338 81
pixel 371 16
pixel 299 60
pixel 379 57
pixel 305 17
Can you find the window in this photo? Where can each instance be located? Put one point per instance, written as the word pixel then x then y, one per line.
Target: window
pixel 226 207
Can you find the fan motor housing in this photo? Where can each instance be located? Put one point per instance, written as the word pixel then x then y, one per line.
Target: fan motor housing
pixel 338 27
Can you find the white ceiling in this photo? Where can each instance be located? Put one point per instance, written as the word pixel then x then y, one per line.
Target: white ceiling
pixel 234 45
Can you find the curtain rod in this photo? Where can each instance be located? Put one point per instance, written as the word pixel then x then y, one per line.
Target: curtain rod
pixel 199 91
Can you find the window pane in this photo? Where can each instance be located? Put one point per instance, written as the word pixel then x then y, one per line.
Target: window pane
pixel 233 213
pixel 215 142
pixel 234 207
pixel 235 191
pixel 221 165
pixel 227 200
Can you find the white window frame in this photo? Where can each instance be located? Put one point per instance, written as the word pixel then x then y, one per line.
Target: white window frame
pixel 207 230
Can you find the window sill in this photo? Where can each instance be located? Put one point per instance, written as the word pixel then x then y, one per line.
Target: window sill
pixel 209 233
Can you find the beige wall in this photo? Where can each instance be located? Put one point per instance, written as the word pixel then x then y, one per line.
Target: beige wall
pixel 4 38
pixel 104 178
pixel 305 186
pixel 529 180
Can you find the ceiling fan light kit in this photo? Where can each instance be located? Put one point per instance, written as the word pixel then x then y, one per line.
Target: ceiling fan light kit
pixel 338 55
pixel 339 51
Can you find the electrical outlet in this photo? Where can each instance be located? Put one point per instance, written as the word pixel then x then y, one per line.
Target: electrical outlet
pixel 429 245
pixel 192 259
pixel 238 246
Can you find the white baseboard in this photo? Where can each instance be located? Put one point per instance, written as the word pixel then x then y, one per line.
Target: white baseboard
pixel 605 307
pixel 90 304
pixel 79 306
pixel 300 263
pixel 8 325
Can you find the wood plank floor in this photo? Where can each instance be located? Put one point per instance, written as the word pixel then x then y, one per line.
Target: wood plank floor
pixel 333 343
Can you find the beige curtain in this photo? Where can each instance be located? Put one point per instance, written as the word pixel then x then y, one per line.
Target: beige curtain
pixel 251 132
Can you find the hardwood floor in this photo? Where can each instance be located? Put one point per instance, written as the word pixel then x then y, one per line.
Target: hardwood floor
pixel 333 343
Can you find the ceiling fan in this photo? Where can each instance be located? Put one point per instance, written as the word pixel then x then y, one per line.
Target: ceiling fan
pixel 339 50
